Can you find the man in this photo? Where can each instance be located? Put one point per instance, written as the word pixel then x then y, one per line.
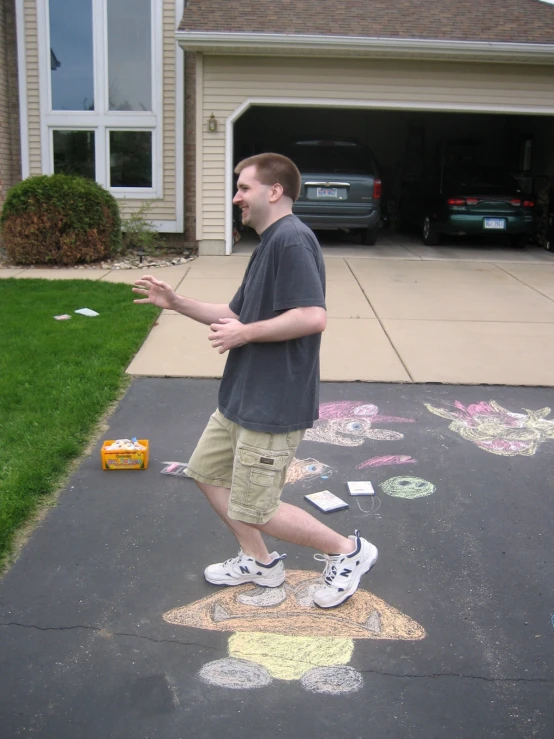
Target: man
pixel 269 392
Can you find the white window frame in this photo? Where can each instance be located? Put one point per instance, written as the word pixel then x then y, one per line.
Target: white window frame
pixel 101 120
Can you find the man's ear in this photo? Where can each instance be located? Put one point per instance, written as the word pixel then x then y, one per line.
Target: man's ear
pixel 276 193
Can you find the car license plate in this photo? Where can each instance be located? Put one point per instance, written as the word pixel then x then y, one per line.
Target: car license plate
pixel 496 223
pixel 327 192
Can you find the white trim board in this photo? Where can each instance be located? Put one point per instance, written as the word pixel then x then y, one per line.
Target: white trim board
pixel 180 125
pixel 217 42
pixel 22 83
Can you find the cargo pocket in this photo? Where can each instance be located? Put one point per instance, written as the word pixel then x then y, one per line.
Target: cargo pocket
pixel 258 478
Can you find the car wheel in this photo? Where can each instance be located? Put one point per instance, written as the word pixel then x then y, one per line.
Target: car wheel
pixel 429 235
pixel 369 235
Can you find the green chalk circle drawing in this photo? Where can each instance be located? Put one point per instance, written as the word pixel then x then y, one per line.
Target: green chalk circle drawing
pixel 408 487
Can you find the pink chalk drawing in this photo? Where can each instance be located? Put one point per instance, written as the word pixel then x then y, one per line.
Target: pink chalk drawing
pixel 497 430
pixel 388 460
pixel 346 423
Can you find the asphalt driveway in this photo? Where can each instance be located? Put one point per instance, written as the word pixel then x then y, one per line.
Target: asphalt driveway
pixel 109 629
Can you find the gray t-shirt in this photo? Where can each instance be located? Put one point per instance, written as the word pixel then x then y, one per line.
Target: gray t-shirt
pixel 274 386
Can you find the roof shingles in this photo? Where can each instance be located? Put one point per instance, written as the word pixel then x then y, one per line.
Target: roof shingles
pixel 519 21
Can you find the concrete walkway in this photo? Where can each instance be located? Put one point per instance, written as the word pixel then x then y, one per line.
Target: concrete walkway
pixel 398 312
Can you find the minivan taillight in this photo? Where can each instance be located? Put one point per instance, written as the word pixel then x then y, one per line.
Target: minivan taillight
pixel 528 203
pixel 456 201
pixel 377 187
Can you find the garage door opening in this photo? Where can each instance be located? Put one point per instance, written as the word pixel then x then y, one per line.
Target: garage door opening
pixel 410 146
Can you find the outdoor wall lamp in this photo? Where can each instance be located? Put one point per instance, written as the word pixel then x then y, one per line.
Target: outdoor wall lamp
pixel 212 124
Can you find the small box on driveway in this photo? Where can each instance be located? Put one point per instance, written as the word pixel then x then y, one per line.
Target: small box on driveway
pixel 133 458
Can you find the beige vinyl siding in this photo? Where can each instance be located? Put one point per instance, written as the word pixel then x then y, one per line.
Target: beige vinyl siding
pixel 229 81
pixel 163 209
pixel 33 89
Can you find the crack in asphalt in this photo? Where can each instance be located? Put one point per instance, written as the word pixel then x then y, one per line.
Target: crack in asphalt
pixel 412 676
pixel 110 633
pixel 464 677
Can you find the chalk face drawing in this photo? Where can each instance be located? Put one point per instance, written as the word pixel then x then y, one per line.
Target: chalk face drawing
pixel 391 459
pixel 346 423
pixel 279 634
pixel 302 470
pixel 408 487
pixel 497 430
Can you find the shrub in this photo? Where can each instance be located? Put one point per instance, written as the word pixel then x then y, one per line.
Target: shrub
pixel 60 219
pixel 139 234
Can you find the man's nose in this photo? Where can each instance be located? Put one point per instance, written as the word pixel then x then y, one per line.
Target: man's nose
pixel 236 199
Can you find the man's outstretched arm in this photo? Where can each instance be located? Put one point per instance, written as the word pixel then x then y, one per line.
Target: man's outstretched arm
pixel 161 294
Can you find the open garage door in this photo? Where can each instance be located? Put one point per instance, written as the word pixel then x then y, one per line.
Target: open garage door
pixel 411 147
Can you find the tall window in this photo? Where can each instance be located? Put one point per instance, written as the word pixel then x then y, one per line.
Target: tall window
pixel 71 62
pixel 103 119
pixel 129 55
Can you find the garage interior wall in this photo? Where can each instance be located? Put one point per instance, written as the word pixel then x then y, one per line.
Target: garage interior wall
pixel 227 82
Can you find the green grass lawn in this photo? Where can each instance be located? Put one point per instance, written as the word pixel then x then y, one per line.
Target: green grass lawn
pixel 57 379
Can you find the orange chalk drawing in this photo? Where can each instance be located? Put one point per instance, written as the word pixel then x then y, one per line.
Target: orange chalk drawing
pixel 278 633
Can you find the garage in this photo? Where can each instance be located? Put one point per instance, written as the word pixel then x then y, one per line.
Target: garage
pixel 408 144
pixel 407 80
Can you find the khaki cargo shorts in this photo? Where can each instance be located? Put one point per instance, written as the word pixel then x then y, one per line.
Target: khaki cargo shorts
pixel 252 464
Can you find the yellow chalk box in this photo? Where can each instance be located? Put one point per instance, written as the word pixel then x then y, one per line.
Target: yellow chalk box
pixel 124 459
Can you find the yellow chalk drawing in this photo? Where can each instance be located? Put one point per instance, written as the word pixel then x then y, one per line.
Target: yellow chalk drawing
pixel 408 487
pixel 290 657
pixel 279 633
pixel 497 430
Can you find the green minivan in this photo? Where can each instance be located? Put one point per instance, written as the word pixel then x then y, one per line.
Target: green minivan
pixel 341 187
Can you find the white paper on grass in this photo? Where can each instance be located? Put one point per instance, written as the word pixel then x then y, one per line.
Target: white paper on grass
pixel 87 312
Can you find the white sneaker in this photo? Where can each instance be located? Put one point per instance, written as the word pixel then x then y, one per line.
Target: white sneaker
pixel 241 569
pixel 343 572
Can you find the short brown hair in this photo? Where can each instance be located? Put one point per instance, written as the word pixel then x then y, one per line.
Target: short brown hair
pixel 272 169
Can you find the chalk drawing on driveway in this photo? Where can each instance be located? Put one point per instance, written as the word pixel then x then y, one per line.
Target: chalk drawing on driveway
pixel 345 423
pixel 302 470
pixel 391 459
pixel 408 487
pixel 282 635
pixel 497 430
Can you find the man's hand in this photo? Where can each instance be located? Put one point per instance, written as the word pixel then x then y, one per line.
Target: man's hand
pixel 155 291
pixel 227 334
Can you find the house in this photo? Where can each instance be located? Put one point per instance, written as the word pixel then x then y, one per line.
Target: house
pixel 158 99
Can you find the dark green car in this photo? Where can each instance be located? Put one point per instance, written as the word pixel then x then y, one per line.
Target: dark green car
pixel 476 201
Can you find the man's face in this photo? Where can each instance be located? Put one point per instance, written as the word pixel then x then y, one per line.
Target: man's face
pixel 253 199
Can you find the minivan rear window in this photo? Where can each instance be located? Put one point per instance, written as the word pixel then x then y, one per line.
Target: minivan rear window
pixel 333 158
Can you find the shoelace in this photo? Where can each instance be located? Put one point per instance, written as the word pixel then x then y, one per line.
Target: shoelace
pixel 330 571
pixel 234 560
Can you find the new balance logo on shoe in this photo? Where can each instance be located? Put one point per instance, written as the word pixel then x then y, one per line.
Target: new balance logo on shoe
pixel 236 571
pixel 364 555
